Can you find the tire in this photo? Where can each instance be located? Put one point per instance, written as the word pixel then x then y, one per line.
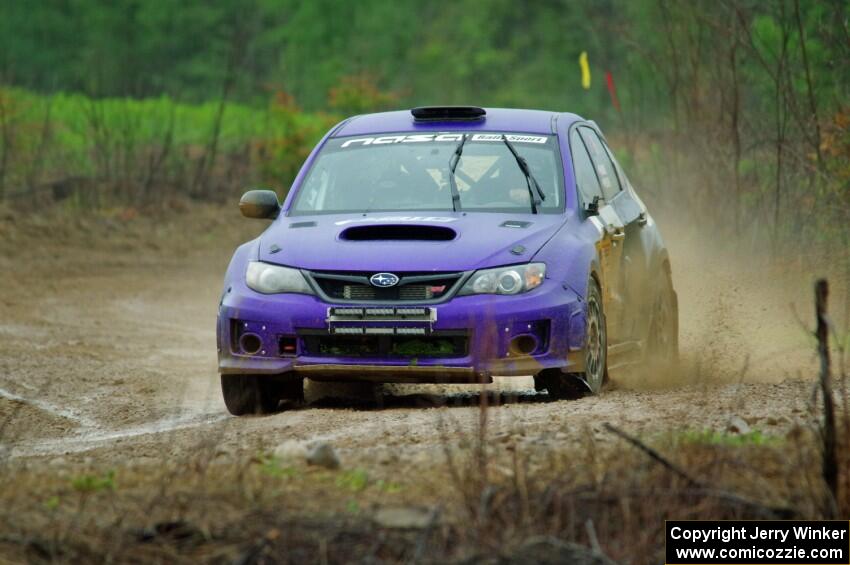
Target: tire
pixel 575 385
pixel 662 342
pixel 258 394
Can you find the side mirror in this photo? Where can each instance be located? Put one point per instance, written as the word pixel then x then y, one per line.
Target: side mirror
pixel 592 209
pixel 261 204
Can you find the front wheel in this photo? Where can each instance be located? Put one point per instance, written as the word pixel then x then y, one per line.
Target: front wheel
pixel 258 394
pixel 590 381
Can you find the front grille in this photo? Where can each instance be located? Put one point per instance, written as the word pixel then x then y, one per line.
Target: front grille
pixel 419 292
pixel 412 287
pixel 446 344
pixel 351 291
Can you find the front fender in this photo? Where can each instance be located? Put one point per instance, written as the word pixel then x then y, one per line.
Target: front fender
pixel 571 255
pixel 244 254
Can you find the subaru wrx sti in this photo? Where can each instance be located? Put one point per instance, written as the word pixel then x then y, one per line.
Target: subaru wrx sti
pixel 447 245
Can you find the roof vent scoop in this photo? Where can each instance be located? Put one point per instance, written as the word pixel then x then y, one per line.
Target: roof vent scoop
pixel 448 113
pixel 398 232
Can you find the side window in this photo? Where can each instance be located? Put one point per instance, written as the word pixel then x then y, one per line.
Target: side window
pixel 602 163
pixel 621 174
pixel 588 184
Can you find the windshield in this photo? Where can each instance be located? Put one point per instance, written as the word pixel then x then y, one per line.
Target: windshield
pixel 405 172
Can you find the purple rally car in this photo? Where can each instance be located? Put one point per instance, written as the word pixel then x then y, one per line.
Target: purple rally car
pixel 447 245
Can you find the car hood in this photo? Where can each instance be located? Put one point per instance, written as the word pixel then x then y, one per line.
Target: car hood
pixel 406 241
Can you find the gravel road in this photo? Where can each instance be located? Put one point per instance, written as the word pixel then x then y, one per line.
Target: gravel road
pixel 107 354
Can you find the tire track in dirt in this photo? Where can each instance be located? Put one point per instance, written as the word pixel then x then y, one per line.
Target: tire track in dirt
pixel 89 439
pixel 75 416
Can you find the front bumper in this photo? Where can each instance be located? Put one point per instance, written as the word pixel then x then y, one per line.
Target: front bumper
pixel 288 327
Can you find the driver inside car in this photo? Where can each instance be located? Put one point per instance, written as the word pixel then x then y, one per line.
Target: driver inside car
pixel 503 187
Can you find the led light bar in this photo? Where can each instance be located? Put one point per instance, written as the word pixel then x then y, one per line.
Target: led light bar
pixel 346 312
pixel 411 311
pixel 410 331
pixel 380 311
pixel 378 330
pixel 382 314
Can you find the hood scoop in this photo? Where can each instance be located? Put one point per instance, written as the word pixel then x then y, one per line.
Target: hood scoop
pixel 398 232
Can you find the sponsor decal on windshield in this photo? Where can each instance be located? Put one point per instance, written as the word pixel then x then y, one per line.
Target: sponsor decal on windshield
pixel 437 137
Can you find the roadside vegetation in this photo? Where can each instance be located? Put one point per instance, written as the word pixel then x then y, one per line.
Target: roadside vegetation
pixel 737 112
pixel 87 153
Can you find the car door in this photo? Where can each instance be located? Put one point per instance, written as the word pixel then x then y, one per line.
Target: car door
pixel 630 286
pixel 611 227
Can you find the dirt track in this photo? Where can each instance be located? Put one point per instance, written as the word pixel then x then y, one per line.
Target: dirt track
pixel 107 354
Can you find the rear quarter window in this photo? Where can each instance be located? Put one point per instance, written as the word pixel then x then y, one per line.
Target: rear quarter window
pixel 605 171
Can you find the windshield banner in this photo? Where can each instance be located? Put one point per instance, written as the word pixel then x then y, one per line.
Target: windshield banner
pixel 429 137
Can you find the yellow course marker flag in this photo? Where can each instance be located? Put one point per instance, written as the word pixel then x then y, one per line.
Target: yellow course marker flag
pixel 585 70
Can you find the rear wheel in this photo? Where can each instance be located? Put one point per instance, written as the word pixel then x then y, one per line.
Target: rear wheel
pixel 258 394
pixel 576 385
pixel 662 344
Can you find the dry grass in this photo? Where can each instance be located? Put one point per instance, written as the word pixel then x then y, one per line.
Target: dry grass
pixel 485 502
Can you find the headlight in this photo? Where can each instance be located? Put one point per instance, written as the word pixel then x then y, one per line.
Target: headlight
pixel 505 280
pixel 274 279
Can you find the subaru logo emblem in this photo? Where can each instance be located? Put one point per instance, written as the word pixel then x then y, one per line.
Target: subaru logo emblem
pixel 384 280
